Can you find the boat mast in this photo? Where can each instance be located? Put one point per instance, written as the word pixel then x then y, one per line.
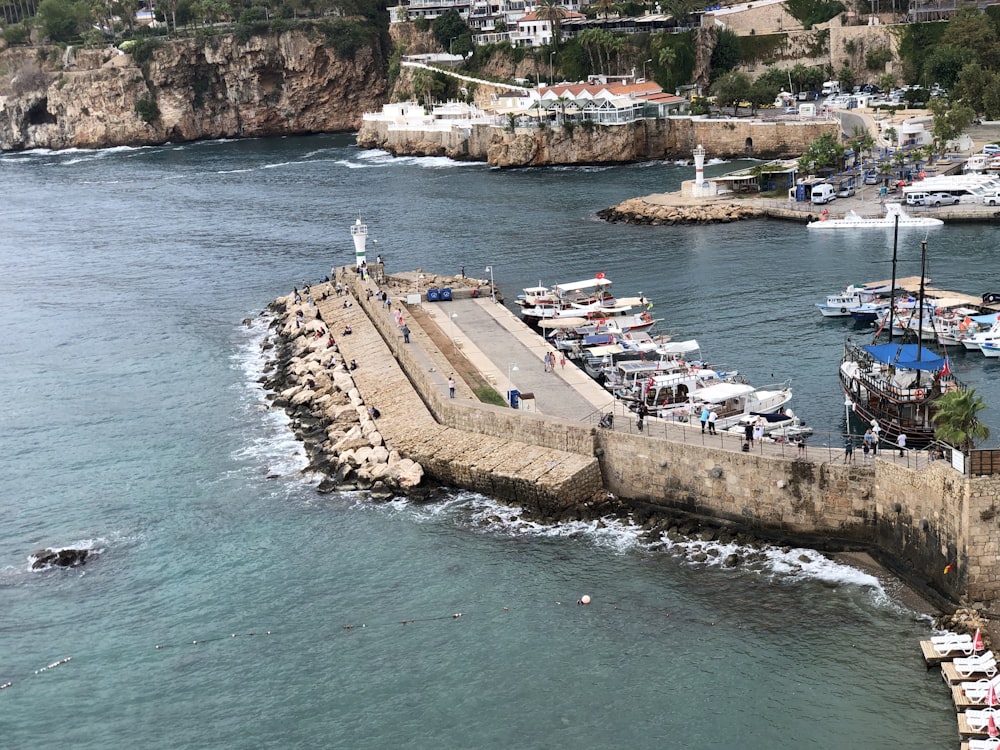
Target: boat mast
pixel 892 290
pixel 920 303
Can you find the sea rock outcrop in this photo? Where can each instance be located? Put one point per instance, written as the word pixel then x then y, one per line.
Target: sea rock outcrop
pixel 640 211
pixel 183 90
pixel 67 557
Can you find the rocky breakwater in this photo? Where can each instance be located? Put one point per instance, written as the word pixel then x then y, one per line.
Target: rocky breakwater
pixel 642 211
pixel 308 378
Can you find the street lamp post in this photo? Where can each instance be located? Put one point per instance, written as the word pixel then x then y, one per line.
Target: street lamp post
pixel 511 368
pixel 644 67
pixel 493 291
pixel 454 347
pixel 451 45
pixel 552 75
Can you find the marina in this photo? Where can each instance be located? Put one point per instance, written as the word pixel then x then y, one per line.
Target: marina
pixel 159 448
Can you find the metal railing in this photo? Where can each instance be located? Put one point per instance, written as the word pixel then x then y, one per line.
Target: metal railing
pixel 817 447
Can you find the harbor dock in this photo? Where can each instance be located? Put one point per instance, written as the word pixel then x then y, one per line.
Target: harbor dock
pixel 551 457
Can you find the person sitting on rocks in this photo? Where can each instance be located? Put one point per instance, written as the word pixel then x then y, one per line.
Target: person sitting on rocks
pixel 354 364
pixel 347 331
pixel 373 412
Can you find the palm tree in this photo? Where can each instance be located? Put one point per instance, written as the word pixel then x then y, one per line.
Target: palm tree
pixel 957 421
pixel 554 13
pixel 605 7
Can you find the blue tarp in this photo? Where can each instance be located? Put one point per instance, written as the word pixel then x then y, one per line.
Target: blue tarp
pixel 906 356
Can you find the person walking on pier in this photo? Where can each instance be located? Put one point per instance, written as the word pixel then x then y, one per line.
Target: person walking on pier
pixel 868 443
pixel 748 434
pixel 406 334
pixel 451 386
pixel 901 443
pixel 875 434
pixel 643 412
pixel 704 418
pixel 713 416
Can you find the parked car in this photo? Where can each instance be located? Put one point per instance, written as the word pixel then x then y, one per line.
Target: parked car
pixel 991 199
pixel 846 191
pixel 992 149
pixel 916 199
pixel 936 199
pixel 871 178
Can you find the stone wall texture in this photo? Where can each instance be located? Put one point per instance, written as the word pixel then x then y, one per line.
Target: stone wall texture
pixel 669 138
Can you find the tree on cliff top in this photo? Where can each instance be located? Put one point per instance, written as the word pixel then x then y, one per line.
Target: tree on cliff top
pixel 956 419
pixel 452 33
pixel 731 89
pixel 62 20
pixel 811 12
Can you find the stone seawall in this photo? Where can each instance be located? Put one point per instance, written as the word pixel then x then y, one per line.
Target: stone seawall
pixel 934 526
pixel 667 138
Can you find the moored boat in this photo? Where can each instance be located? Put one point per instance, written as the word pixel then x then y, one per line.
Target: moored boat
pixel 894 216
pixel 896 385
pixel 853 296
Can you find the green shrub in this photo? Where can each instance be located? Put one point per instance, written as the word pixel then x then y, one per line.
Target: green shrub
pixel 346 36
pixel 422 24
pixel 875 59
pixel 146 109
pixel 16 34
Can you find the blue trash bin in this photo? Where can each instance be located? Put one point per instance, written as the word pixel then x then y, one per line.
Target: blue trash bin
pixel 514 398
pixel 446 294
pixel 433 294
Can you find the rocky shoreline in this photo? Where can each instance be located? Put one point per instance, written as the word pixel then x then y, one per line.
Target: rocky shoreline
pixel 641 211
pixel 307 377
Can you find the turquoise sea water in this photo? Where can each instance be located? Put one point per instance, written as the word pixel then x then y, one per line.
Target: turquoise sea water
pixel 132 423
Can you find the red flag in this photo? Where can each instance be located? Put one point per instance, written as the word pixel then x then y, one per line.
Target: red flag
pixel 946 370
pixel 991 728
pixel 977 641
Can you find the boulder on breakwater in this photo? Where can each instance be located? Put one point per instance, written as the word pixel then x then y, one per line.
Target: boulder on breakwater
pixel 310 380
pixel 641 211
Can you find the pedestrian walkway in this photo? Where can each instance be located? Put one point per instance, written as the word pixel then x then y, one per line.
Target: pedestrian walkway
pixel 496 342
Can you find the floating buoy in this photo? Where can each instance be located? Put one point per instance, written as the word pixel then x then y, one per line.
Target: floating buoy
pixel 584 600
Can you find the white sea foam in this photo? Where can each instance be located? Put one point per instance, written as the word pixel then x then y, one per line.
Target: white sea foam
pixel 270 443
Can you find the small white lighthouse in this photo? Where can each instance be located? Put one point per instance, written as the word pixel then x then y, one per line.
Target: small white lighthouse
pixel 360 234
pixel 699 167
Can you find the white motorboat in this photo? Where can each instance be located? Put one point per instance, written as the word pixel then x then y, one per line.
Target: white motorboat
pixel 893 211
pixel 574 299
pixel 778 426
pixel 843 303
pixel 734 401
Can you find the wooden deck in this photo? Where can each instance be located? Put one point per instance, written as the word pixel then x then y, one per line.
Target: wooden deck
pixel 952 677
pixel 933 657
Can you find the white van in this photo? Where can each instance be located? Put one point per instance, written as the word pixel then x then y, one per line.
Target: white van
pixel 916 199
pixel 823 193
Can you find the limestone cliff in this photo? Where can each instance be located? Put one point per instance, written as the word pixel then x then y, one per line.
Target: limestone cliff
pixel 218 87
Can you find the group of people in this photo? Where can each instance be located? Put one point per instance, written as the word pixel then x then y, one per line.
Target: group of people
pixel 708 419
pixel 549 360
pixel 870 443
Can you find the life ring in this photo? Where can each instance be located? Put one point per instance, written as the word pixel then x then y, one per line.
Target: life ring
pixel 919 393
pixel 843 311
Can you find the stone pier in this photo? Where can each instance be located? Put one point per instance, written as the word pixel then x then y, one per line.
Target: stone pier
pixel 934 526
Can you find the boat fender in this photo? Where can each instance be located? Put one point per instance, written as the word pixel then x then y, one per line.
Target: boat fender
pixel 919 393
